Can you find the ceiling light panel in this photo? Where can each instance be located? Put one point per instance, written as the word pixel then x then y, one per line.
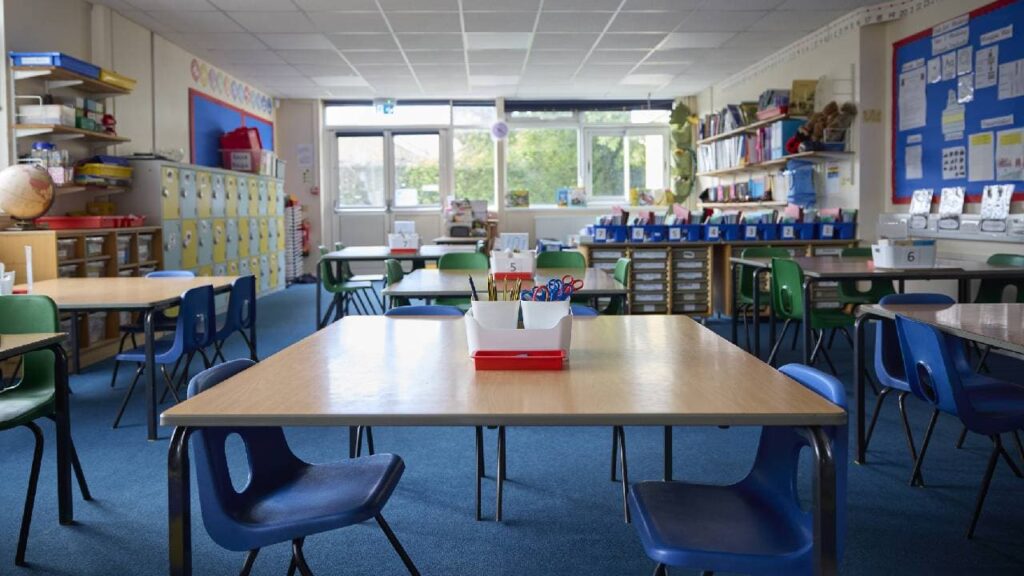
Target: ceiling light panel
pixel 431 41
pixel 296 41
pixel 499 21
pixel 497 40
pixel 363 41
pixel 273 22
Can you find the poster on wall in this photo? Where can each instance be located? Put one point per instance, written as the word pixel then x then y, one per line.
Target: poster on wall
pixel 217 83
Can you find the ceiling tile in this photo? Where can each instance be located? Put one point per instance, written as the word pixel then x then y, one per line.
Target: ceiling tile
pixel 679 5
pixel 194 21
pixel 574 21
pixel 509 69
pixel 629 41
pixel 647 79
pixel 382 72
pixel 646 21
pixel 602 71
pixel 287 82
pixel 616 56
pixel 522 5
pixel 273 22
pixel 795 20
pixel 497 56
pixel 696 39
pixel 246 56
pixel 264 70
pixel 493 80
pixel 762 39
pixel 436 56
pixel 500 21
pixel 424 21
pixel 548 73
pixel 497 40
pixel 172 5
pixel 450 5
pixel 357 22
pixel 339 81
pixel 367 5
pixel 573 57
pixel 671 69
pixel 825 4
pixel 351 92
pixel 262 5
pixel 673 55
pixel 146 21
pixel 582 4
pixel 216 40
pixel 431 41
pixel 310 56
pixel 375 57
pixel 739 5
pixel 720 20
pixel 564 41
pixel 363 41
pixel 332 69
pixel 296 41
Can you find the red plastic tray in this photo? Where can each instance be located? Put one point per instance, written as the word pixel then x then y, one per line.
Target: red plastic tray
pixel 404 250
pixel 519 360
pixel 513 275
pixel 79 222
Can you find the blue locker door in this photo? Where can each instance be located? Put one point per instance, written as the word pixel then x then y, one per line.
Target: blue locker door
pixel 264 197
pixel 243 197
pixel 188 194
pixel 232 239
pixel 282 276
pixel 205 242
pixel 219 196
pixel 264 273
pixel 172 245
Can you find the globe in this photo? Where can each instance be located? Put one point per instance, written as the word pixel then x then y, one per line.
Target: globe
pixel 26 191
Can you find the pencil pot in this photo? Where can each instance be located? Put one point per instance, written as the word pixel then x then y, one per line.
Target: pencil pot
pixel 498 315
pixel 544 315
pixel 481 337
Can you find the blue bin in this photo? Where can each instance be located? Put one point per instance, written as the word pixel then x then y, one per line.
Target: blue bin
pixel 846 230
pixel 715 232
pixel 827 230
pixel 748 231
pixel 685 232
pixel 609 233
pixel 56 59
pixel 768 231
pixel 655 233
pixel 797 231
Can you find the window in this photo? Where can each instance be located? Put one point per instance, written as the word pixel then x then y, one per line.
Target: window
pixel 542 160
pixel 473 115
pixel 360 171
pixel 626 116
pixel 404 115
pixel 386 169
pixel 622 159
pixel 417 170
pixel 474 165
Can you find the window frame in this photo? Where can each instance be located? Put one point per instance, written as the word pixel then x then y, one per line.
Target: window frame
pixel 624 131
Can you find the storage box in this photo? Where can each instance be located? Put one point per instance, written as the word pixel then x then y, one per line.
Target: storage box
pixel 56 59
pixel 97 327
pixel 111 77
pixel 403 242
pixel 685 233
pixel 93 246
pixel 797 231
pixel 244 138
pixel 609 233
pixel 241 160
pixel 66 248
pixel 559 337
pixel 67 271
pixel 124 244
pixel 715 232
pixel 513 265
pixel 46 114
pixel 766 231
pixel 919 254
pixel 748 231
pixel 145 247
pixel 95 269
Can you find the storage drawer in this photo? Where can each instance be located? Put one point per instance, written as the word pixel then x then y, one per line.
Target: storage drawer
pixel 649 286
pixel 828 250
pixel 660 255
pixel 690 264
pixel 648 276
pixel 690 254
pixel 696 296
pixel 689 286
pixel 649 298
pixel 690 308
pixel 607 254
pixel 650 265
pixel 648 309
pixel 685 276
pixel 609 266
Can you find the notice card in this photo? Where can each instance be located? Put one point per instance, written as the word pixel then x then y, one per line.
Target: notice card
pixel 980 157
pixel 1011 80
pixel 912 161
pixel 986 67
pixel 912 102
pixel 1010 155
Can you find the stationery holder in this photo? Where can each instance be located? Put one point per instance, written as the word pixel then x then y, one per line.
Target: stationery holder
pixel 403 243
pixel 481 336
pixel 507 265
pixel 919 254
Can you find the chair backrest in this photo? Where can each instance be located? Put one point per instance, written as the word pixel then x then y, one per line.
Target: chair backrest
pixel 196 325
pixel 435 310
pixel 746 280
pixel 270 461
pixel 171 274
pixel 481 246
pixel 27 314
pixel 561 259
pixel 787 291
pixel 990 290
pixel 582 311
pixel 888 360
pixel 393 271
pixel 326 270
pixel 463 261
pixel 856 252
pixel 777 463
pixel 621 272
pixel 241 305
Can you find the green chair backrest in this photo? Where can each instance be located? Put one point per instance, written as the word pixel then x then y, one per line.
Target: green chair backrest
pixel 787 289
pixel 327 271
pixel 990 290
pixel 858 252
pixel 621 272
pixel 393 271
pixel 27 314
pixel 463 261
pixel 746 280
pixel 561 259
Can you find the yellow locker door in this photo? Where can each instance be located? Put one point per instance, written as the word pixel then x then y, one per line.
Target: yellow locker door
pixel 204 194
pixel 280 234
pixel 271 197
pixel 206 271
pixel 243 238
pixel 231 191
pixel 189 244
pixel 254 269
pixel 233 268
pixel 220 241
pixel 273 272
pixel 169 193
pixel 264 236
pixel 254 197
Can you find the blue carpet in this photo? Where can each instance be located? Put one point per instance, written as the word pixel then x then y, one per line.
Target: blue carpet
pixel 562 514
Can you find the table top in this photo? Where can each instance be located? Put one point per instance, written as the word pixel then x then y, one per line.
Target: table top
pixel 12 345
pixel 999 325
pixel 623 370
pixel 135 293
pixel 454 283
pixel 860 267
pixel 371 253
pixel 459 239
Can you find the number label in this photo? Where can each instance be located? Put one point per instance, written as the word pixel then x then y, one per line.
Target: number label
pixel 751 233
pixel 911 256
pixel 638 234
pixel 675 234
pixel 787 232
pixel 713 232
pixel 827 231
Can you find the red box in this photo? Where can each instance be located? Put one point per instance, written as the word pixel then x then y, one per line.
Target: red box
pixel 404 250
pixel 519 360
pixel 241 139
pixel 79 222
pixel 513 275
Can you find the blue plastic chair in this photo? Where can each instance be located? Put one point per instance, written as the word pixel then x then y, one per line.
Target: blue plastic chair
pixel 285 499
pixel 194 330
pixel 435 310
pixel 889 363
pixel 933 371
pixel 582 311
pixel 755 526
pixel 240 316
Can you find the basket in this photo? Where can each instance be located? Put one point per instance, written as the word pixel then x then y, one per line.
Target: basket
pixel 57 60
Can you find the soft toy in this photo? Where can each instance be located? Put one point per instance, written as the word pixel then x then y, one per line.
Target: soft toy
pixel 825 127
pixel 109 124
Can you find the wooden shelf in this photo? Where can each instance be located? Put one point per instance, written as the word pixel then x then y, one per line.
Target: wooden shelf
pixel 91 188
pixel 64 78
pixel 97 258
pixel 748 128
pixel 741 204
pixel 60 132
pixel 767 165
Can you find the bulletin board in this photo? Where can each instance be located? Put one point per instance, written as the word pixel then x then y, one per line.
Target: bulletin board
pixel 958 99
pixel 209 118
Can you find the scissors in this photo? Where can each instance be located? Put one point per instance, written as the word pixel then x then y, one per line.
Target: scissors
pixel 570 286
pixel 535 294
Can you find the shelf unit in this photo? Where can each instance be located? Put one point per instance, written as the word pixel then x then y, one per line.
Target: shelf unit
pixel 742 204
pixel 752 127
pixel 62 78
pixel 768 165
pixel 66 189
pixel 60 132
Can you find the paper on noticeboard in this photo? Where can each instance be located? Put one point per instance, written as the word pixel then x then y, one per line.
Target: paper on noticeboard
pixel 980 157
pixel 912 102
pixel 912 162
pixel 1010 154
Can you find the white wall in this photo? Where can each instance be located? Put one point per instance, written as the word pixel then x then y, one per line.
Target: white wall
pixel 299 124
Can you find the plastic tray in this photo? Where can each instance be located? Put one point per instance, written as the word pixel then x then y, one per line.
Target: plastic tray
pixel 519 360
pixel 56 59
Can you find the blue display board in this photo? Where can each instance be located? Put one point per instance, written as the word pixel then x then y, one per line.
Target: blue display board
pixel 210 118
pixel 958 99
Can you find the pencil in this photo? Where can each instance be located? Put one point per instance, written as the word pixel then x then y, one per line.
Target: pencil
pixel 472 287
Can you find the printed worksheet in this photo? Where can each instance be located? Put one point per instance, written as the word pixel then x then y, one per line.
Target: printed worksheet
pixel 954 163
pixel 1011 80
pixel 1010 154
pixel 964 60
pixel 986 66
pixel 913 105
pixel 912 162
pixel 980 157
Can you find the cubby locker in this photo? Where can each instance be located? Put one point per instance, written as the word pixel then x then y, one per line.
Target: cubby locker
pixel 233 268
pixel 649 284
pixel 272 234
pixel 189 244
pixel 220 241
pixel 243 196
pixel 220 269
pixel 254 197
pixel 231 240
pixel 187 185
pixel 280 198
pixel 172 245
pixel 219 196
pixel 262 236
pixel 254 269
pixel 690 280
pixel 204 194
pixel 263 197
pixel 281 274
pixel 243 267
pixel 169 193
pixel 272 192
pixel 264 276
pixel 243 237
pixel 204 244
pixel 280 234
pixel 272 265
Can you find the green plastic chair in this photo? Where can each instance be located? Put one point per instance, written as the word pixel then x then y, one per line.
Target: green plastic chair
pixel 745 283
pixel 460 261
pixel 788 305
pixel 850 294
pixel 345 292
pixel 35 396
pixel 393 272
pixel 562 259
pixel 617 306
pixel 346 270
pixel 990 291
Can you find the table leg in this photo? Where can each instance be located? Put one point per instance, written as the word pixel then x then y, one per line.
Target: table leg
pixel 501 472
pixel 75 344
pixel 962 290
pixel 179 506
pixel 62 418
pixel 825 533
pixel 858 383
pixel 734 295
pixel 150 346
pixel 772 327
pixel 757 311
pixel 901 285
pixel 806 324
pixel 319 287
pixel 252 334
pixel 668 453
pixel 418 264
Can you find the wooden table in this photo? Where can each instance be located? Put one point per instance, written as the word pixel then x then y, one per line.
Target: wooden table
pixel 143 295
pixel 997 325
pixel 623 370
pixel 418 258
pixel 833 269
pixel 459 240
pixel 455 283
pixel 12 345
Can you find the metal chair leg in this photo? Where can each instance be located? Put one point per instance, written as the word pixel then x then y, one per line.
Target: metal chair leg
pixel 30 494
pixel 127 396
pixel 902 403
pixel 915 476
pixel 874 416
pixel 961 438
pixel 397 546
pixel 501 472
pixel 1009 461
pixel 250 559
pixel 781 339
pixel 359 441
pixel 660 570
pixel 990 469
pixel 300 559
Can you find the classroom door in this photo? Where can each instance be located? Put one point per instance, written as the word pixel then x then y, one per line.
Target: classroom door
pixel 359 193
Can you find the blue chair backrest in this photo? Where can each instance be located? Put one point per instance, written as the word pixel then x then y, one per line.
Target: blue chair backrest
pixel 241 305
pixel 196 325
pixel 171 274
pixel 888 359
pixel 436 310
pixel 582 311
pixel 777 461
pixel 269 457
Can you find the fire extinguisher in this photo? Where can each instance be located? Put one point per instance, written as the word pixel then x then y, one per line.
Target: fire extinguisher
pixel 307 229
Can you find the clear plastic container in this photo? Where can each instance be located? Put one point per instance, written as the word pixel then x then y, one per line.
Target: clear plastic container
pixel 66 248
pixel 95 269
pixel 126 273
pixel 97 327
pixel 67 271
pixel 124 244
pixel 93 246
pixel 143 270
pixel 145 247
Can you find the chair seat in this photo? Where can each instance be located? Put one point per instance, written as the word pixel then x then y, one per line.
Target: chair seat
pixel 318 498
pixel 824 319
pixel 20 405
pixel 162 349
pixel 993 396
pixel 348 287
pixel 720 528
